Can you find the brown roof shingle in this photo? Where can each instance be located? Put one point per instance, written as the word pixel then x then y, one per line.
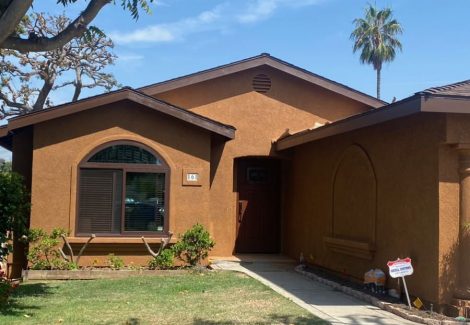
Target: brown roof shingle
pixel 461 88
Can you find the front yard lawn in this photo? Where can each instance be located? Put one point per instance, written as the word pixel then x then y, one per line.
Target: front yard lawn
pixel 198 298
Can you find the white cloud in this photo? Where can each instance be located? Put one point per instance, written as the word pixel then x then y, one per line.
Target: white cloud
pixel 259 10
pixel 228 14
pixel 158 3
pixel 171 31
pixel 153 34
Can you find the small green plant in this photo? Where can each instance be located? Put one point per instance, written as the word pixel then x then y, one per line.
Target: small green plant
pixel 6 287
pixel 44 251
pixel 194 245
pixel 164 261
pixel 115 262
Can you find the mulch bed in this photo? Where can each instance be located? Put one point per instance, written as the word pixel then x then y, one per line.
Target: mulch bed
pixel 385 302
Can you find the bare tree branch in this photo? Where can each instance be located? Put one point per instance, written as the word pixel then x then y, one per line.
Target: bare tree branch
pixel 83 248
pixel 11 17
pixel 66 242
pixel 28 79
pixel 80 253
pixel 164 242
pixel 34 43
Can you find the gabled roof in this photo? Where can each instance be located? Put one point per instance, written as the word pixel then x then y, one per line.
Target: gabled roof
pixel 461 88
pixel 203 122
pixel 262 60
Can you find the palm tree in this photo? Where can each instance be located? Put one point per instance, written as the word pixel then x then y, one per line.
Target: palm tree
pixel 376 35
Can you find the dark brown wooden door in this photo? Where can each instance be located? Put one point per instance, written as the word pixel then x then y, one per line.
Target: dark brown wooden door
pixel 258 216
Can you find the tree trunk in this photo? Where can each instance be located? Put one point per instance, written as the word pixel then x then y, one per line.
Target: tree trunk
pixel 78 84
pixel 43 94
pixel 379 80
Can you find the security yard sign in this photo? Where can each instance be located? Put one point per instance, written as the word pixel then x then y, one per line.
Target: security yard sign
pixel 400 268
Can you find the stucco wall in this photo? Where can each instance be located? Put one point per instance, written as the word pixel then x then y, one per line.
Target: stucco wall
pixel 21 163
pixel 404 155
pixel 259 119
pixel 458 134
pixel 60 145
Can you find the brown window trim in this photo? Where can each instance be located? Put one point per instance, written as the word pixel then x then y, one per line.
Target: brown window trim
pixel 127 167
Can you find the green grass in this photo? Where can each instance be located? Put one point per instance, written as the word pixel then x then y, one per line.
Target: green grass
pixel 200 298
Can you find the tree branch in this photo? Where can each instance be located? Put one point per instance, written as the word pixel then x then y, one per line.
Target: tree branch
pixel 44 93
pixel 12 16
pixel 63 254
pixel 74 29
pixel 13 104
pixel 164 242
pixel 66 242
pixel 93 236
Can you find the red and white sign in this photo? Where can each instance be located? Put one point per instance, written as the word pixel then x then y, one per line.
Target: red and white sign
pixel 400 268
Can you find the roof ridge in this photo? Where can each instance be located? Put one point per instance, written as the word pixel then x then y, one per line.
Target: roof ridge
pixel 371 100
pixel 222 66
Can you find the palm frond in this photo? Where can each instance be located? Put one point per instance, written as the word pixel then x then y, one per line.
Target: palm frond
pixel 376 36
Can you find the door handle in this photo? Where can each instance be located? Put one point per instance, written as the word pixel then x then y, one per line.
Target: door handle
pixel 242 204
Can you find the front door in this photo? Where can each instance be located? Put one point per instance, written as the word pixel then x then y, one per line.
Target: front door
pixel 258 215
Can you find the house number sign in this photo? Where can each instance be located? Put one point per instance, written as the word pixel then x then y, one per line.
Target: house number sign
pixel 192 177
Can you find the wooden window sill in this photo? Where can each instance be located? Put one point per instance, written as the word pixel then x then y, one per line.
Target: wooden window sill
pixel 119 240
pixel 350 247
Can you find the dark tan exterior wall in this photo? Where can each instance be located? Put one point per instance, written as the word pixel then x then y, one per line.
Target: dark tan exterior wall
pixel 458 133
pixel 259 119
pixel 22 164
pixel 60 145
pixel 404 155
pixel 23 153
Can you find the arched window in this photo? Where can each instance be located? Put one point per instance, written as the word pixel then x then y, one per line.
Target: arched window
pixel 122 190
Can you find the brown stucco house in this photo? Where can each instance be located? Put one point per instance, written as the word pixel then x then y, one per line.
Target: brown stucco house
pixel 271 158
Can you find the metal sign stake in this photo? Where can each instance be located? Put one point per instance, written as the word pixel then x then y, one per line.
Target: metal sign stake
pixel 406 292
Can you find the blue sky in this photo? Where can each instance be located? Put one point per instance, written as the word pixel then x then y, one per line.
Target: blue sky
pixel 185 36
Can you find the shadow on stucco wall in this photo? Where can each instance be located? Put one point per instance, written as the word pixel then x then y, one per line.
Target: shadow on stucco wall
pixel 448 275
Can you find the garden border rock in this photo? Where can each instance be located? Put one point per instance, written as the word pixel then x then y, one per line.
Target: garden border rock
pixel 91 274
pixel 375 301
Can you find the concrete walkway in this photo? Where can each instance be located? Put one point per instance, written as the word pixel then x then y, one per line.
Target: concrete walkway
pixel 336 307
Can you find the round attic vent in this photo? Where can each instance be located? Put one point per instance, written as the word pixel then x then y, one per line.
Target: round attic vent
pixel 261 83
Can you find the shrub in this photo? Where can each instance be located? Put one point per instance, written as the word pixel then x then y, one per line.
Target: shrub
pixel 14 208
pixel 6 287
pixel 44 251
pixel 115 262
pixel 163 261
pixel 194 245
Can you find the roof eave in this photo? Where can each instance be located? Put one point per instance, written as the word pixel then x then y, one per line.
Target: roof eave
pixel 123 94
pixel 408 106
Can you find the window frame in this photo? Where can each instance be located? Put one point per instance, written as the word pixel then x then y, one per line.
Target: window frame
pixel 125 168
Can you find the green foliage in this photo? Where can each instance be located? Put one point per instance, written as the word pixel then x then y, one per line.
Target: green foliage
pixel 115 262
pixel 194 245
pixel 93 32
pixel 6 287
pixel 44 251
pixel 376 36
pixel 14 208
pixel 133 6
pixel 164 261
pixel 5 166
